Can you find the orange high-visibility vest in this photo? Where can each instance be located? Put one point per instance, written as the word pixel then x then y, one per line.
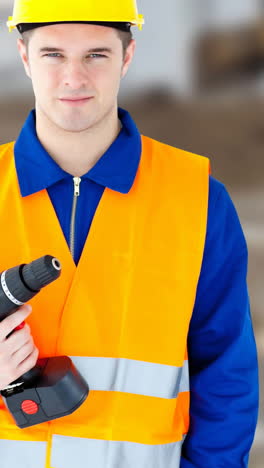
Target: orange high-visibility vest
pixel 122 314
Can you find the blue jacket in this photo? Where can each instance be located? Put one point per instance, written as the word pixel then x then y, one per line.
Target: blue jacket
pixel 221 344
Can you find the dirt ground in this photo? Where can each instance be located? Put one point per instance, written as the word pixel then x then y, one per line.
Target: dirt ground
pixel 230 130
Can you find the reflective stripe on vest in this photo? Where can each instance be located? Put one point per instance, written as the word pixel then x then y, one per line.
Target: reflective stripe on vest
pixel 22 454
pixel 126 375
pixel 70 452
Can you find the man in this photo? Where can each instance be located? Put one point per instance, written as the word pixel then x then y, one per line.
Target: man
pixel 152 303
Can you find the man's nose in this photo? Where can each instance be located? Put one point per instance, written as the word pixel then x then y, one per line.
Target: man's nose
pixel 75 75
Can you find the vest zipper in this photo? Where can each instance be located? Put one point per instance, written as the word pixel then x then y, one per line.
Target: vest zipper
pixel 76 181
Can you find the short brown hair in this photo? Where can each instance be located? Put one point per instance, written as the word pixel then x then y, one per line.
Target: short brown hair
pixel 125 37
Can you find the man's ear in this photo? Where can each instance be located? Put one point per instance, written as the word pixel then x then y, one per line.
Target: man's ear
pixel 128 57
pixel 22 49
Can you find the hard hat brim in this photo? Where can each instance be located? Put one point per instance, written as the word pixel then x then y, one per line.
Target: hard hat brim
pixel 12 22
pixel 122 26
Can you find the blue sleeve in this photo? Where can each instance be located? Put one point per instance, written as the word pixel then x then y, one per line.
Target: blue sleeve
pixel 221 347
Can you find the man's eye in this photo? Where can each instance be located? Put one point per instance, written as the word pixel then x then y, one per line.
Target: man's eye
pixel 53 54
pixel 96 56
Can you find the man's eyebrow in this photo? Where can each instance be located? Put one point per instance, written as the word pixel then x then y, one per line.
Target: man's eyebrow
pixel 93 50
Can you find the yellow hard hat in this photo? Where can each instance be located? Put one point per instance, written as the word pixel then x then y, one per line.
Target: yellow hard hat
pixel 52 11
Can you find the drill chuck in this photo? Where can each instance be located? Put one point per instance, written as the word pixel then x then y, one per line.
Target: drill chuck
pixel 21 283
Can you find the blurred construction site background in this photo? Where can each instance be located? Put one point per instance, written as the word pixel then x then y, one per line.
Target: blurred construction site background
pixel 197 83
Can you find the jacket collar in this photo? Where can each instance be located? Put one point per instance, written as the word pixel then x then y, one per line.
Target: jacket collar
pixel 116 169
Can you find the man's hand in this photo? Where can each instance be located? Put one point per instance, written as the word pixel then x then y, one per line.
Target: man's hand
pixel 18 353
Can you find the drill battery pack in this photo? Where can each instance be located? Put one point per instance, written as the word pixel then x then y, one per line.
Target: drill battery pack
pixel 55 389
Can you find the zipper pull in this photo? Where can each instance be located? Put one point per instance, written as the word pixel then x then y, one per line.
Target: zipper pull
pixel 77 181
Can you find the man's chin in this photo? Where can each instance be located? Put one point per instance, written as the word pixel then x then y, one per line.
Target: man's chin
pixel 75 130
pixel 73 126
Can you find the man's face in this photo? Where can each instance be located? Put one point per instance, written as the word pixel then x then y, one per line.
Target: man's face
pixel 75 61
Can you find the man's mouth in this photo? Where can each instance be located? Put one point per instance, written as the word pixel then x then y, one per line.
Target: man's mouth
pixel 76 100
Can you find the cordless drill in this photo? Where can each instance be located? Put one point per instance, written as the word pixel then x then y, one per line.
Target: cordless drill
pixel 54 387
